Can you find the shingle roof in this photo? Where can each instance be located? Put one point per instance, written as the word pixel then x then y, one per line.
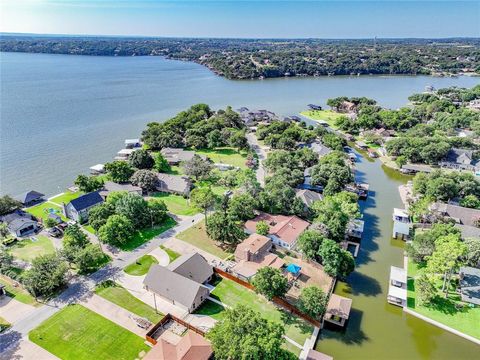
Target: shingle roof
pixel 454 154
pixel 110 186
pixel 86 201
pixel 308 197
pixel 192 266
pixel 173 183
pixel 192 346
pixel 29 196
pixel 17 219
pixel 466 216
pixel 338 306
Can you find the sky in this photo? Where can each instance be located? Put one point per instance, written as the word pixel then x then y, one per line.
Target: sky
pixel 244 19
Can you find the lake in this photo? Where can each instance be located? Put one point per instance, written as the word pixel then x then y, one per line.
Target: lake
pixel 61 114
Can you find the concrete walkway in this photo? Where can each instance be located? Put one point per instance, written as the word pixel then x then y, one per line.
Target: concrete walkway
pixel 161 256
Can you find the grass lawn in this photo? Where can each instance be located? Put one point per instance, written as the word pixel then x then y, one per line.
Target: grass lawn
pixel 443 310
pixel 177 204
pixel 41 211
pixel 211 309
pixel 120 296
pixel 17 292
pixel 172 255
pixel 28 249
pixel 145 235
pixel 175 170
pixel 231 293
pixel 77 333
pixel 327 116
pixel 4 324
pixel 197 236
pixel 226 155
pixel 217 189
pixel 141 265
pixel 89 229
pixel 66 197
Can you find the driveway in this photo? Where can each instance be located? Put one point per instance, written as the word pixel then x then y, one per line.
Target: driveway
pixel 262 155
pixel 13 310
pixel 161 256
pixel 27 350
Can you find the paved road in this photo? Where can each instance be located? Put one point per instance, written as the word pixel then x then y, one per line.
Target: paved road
pixel 81 287
pixel 262 155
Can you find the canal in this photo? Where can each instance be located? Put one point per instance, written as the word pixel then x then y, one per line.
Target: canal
pixel 377 330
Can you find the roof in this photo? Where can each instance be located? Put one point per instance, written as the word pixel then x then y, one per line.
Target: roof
pixel 29 196
pixel 17 219
pixel 250 268
pixel 399 293
pixel 110 186
pixel 356 225
pixel 463 215
pixel 453 155
pixel 417 167
pixel 398 274
pixel 192 266
pixel 469 231
pixel 308 197
pixel 175 183
pixel 98 167
pixel 316 355
pixel 86 201
pixel 319 148
pixel 132 141
pixel 400 212
pixel 287 228
pixel 253 243
pixel 172 286
pixel 177 154
pixel 361 144
pixel 192 346
pixel 470 283
pixel 338 306
pixel 126 151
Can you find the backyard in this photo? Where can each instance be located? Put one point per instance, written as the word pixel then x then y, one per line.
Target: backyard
pixel 78 333
pixel 327 116
pixel 66 197
pixel 29 248
pixel 226 155
pixel 197 236
pixel 177 204
pixel 141 265
pixel 120 296
pixel 449 311
pixel 41 211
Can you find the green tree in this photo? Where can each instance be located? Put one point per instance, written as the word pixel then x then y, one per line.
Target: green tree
pixel 157 210
pixel 135 208
pixel 470 201
pixel 309 243
pixel 88 183
pixel 47 274
pixel 50 222
pixel 312 301
pixel 472 257
pixel 98 215
pixel 241 207
pixel 243 334
pixel 270 282
pixel 4 232
pixel 426 291
pixel 146 179
pixel 161 164
pixel 238 140
pixel 223 228
pixel 75 237
pixel 8 204
pixel 89 258
pixel 141 159
pixel 6 261
pixel 197 167
pixel 262 228
pixel 118 230
pixel 119 171
pixel 336 261
pixel 203 198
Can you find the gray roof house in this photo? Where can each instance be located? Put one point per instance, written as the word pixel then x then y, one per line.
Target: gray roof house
pixel 110 186
pixel 320 149
pixel 174 184
pixel 77 209
pixel 29 198
pixel 308 197
pixel 470 284
pixel 176 283
pixel 460 159
pixel 20 223
pixel 460 214
pixel 175 156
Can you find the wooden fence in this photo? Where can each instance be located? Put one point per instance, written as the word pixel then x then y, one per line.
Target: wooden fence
pixel 150 336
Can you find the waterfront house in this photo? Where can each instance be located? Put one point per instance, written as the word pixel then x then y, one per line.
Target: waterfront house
pixel 20 223
pixel 110 186
pixel 470 284
pixel 308 197
pixel 460 159
pixel 78 208
pixel 132 143
pixel 30 198
pixel 401 224
pixel 461 215
pixel 182 282
pixel 97 169
pixel 338 310
pixel 283 230
pixel 318 148
pixel 252 254
pixel 175 156
pixel 174 184
pixel 397 287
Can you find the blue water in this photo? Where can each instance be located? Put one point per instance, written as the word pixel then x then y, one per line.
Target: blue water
pixel 61 114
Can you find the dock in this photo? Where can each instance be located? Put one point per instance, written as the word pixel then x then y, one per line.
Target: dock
pixel 397 286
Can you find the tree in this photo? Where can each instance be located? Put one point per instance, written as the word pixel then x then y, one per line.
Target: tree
pixel 312 301
pixel 6 261
pixel 197 167
pixel 50 222
pixel 243 334
pixel 47 274
pixel 118 230
pixel 75 237
pixel 309 243
pixel 4 230
pixel 89 258
pixel 141 159
pixel 88 183
pixel 336 261
pixel 146 179
pixel 119 171
pixel 238 140
pixel 473 252
pixel 203 198
pixel 425 288
pixel 157 210
pixel 135 208
pixel 223 228
pixel 98 215
pixel 161 164
pixel 241 207
pixel 262 228
pixel 270 282
pixel 470 201
pixel 8 204
pixel 446 258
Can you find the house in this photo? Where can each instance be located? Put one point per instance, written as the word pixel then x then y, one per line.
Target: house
pixel 191 346
pixel 252 254
pixel 384 132
pixel 174 184
pixel 460 159
pixel 20 223
pixel 175 156
pixel 192 266
pixel 338 310
pixel 397 288
pixel 416 168
pixel 132 143
pixel 177 282
pixel 308 197
pixel 97 169
pixel 78 208
pixel 401 224
pixel 355 229
pixel 110 186
pixel 284 230
pixel 30 198
pixel 474 105
pixel 461 215
pixel 470 284
pixel 320 149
